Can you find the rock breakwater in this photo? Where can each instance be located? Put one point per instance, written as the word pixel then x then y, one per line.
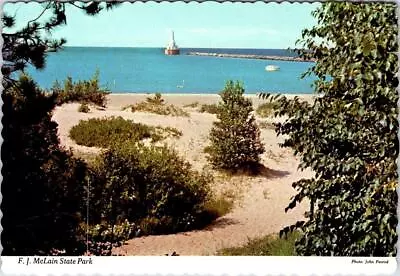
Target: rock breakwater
pixel 282 58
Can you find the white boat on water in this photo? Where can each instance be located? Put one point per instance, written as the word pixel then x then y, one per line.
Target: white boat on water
pixel 272 68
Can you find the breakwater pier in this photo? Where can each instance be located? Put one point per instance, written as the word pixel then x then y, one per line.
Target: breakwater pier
pixel 282 58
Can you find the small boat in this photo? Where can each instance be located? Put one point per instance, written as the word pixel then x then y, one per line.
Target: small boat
pixel 271 68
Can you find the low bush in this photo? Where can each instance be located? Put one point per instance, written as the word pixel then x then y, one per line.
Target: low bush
pixel 209 108
pixel 156 105
pixel 270 245
pixel 104 132
pixel 266 109
pixel 102 238
pixel 149 186
pixel 86 91
pixel 84 108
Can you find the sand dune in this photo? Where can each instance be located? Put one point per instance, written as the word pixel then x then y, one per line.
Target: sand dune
pixel 259 209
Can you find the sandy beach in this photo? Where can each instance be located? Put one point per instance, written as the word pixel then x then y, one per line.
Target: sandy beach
pixel 260 201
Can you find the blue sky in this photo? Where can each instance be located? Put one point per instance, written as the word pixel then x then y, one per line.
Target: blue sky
pixel 208 25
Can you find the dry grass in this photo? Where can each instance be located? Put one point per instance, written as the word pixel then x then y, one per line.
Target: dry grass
pixel 192 105
pixel 157 105
pixel 84 108
pixel 219 206
pixel 265 110
pixel 209 108
pixel 265 125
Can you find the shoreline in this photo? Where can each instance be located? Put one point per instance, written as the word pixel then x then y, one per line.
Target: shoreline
pixel 206 94
pixel 118 100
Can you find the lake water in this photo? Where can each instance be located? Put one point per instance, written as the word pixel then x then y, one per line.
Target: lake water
pixel 142 70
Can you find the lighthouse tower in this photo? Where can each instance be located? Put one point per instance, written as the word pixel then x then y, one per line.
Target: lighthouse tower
pixel 172 48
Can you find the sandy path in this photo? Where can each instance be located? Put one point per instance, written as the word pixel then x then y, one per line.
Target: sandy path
pixel 259 211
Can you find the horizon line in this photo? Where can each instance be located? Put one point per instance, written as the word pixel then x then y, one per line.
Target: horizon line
pixel 162 47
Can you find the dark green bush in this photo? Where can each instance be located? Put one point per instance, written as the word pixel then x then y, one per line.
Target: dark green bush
pixel 104 132
pixel 88 92
pixel 149 186
pixel 235 137
pixel 84 108
pixel 42 183
pixel 209 108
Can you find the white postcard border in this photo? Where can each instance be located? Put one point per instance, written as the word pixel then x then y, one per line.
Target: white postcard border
pixel 166 265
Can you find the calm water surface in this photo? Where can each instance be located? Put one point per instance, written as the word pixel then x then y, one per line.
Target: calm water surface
pixel 142 70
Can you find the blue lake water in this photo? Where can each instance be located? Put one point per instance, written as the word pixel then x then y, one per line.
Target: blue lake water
pixel 141 70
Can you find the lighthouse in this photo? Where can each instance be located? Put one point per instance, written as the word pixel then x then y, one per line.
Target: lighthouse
pixel 172 48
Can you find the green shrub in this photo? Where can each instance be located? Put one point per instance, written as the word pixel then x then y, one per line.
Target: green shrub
pixel 42 183
pixel 235 137
pixel 149 186
pixel 265 109
pixel 81 91
pixel 98 132
pixel 209 108
pixel 348 135
pixel 270 245
pixel 103 237
pixel 156 105
pixel 84 108
pixel 104 132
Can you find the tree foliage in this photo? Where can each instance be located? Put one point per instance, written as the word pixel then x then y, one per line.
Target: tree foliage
pixel 30 44
pixel 42 183
pixel 348 134
pixel 235 137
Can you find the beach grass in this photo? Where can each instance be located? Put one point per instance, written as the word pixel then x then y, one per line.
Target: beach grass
pixel 270 245
pixel 265 109
pixel 219 206
pixel 192 105
pixel 209 108
pixel 157 105
pixel 265 125
pixel 84 108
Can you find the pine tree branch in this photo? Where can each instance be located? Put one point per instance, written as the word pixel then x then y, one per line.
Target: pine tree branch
pixel 40 15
